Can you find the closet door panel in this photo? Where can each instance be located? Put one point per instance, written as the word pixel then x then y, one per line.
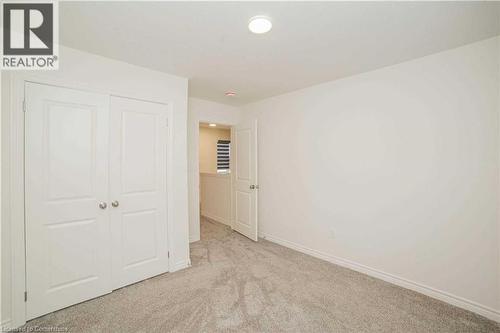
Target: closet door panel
pixel 67 234
pixel 138 168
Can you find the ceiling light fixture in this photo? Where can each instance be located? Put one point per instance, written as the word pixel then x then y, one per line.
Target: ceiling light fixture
pixel 260 24
pixel 212 125
pixel 230 93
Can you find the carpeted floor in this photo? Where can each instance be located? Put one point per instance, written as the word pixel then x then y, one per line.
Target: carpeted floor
pixel 236 285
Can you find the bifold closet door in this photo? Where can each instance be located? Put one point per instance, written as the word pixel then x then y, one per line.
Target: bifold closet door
pixel 138 189
pixel 67 234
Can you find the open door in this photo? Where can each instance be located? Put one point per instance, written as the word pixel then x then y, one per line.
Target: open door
pixel 244 171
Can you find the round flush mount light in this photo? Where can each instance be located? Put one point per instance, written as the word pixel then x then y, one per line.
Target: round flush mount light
pixel 230 93
pixel 212 125
pixel 260 24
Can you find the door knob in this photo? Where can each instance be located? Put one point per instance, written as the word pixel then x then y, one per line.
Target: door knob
pixel 115 203
pixel 102 205
pixel 252 187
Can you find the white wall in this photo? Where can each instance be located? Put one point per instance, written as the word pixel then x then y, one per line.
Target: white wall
pixel 393 172
pixel 95 73
pixel 5 292
pixel 208 112
pixel 1 234
pixel 215 197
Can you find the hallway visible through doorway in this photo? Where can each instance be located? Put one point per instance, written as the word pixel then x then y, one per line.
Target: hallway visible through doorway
pixel 215 172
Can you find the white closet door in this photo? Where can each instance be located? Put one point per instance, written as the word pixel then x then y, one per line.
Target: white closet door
pixel 67 234
pixel 138 189
pixel 244 171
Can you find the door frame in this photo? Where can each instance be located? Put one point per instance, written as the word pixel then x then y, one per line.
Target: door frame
pixel 16 180
pixel 194 168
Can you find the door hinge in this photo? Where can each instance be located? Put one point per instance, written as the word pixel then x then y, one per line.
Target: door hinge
pixel 168 254
pixel 24 105
pixel 25 296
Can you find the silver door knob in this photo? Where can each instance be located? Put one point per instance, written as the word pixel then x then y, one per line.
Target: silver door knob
pixel 115 203
pixel 102 205
pixel 252 187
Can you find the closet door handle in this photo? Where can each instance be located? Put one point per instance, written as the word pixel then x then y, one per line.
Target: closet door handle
pixel 103 205
pixel 115 203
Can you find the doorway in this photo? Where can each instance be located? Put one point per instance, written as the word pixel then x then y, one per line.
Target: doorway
pixel 215 173
pixel 227 164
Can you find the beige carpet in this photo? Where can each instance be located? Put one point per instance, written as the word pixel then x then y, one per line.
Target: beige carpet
pixel 236 285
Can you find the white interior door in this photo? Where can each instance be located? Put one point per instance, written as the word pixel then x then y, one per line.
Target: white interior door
pixel 67 234
pixel 138 189
pixel 244 171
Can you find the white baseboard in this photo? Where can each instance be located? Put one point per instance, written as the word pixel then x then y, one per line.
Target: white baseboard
pixel 194 238
pixel 6 325
pixel 180 265
pixel 216 218
pixel 402 282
